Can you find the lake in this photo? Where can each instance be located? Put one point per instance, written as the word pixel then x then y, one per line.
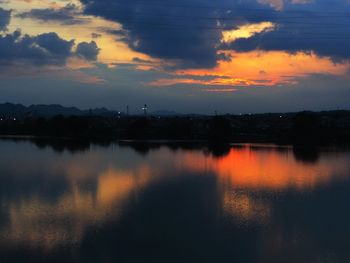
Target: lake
pixel 68 201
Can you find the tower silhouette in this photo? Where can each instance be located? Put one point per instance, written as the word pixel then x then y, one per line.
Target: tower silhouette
pixel 144 108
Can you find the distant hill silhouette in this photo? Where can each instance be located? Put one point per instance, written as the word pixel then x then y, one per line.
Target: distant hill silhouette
pixel 10 110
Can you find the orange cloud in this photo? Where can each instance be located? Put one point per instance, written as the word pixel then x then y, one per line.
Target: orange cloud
pixel 246 31
pixel 258 68
pixel 213 82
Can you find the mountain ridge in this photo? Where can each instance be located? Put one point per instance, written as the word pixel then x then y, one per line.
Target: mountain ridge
pixel 17 110
pixel 12 110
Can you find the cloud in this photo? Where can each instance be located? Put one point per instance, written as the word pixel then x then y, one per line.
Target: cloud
pixel 190 34
pixel 246 31
pixel 164 31
pixel 317 28
pixel 54 45
pixel 88 51
pixel 67 15
pixel 323 39
pixel 257 69
pixel 43 49
pixel 5 17
pixel 122 86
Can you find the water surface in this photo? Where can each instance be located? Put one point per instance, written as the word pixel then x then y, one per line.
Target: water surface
pixel 76 202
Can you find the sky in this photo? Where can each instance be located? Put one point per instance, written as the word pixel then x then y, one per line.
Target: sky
pixel 194 56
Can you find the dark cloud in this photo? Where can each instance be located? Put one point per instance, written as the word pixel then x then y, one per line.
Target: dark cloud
pixel 313 30
pixel 88 51
pixel 5 17
pixel 324 45
pixel 189 33
pixel 66 15
pixel 55 45
pixel 186 33
pixel 43 49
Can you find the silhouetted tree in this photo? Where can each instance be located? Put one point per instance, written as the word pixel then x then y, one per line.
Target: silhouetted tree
pixel 139 129
pixel 306 128
pixel 219 129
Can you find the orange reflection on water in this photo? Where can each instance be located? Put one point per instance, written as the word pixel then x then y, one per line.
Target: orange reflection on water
pixel 37 222
pixel 245 209
pixel 112 187
pixel 268 169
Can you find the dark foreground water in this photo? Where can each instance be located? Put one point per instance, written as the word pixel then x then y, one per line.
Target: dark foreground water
pixel 72 202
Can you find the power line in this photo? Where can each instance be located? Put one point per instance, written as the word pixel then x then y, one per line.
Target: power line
pixel 300 14
pixel 279 19
pixel 150 3
pixel 217 18
pixel 287 34
pixel 239 20
pixel 183 28
pixel 134 24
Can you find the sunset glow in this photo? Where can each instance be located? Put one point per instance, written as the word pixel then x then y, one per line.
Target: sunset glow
pixel 156 131
pixel 259 69
pixel 119 49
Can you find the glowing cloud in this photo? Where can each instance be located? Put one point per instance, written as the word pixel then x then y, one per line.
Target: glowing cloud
pixel 258 68
pixel 246 31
